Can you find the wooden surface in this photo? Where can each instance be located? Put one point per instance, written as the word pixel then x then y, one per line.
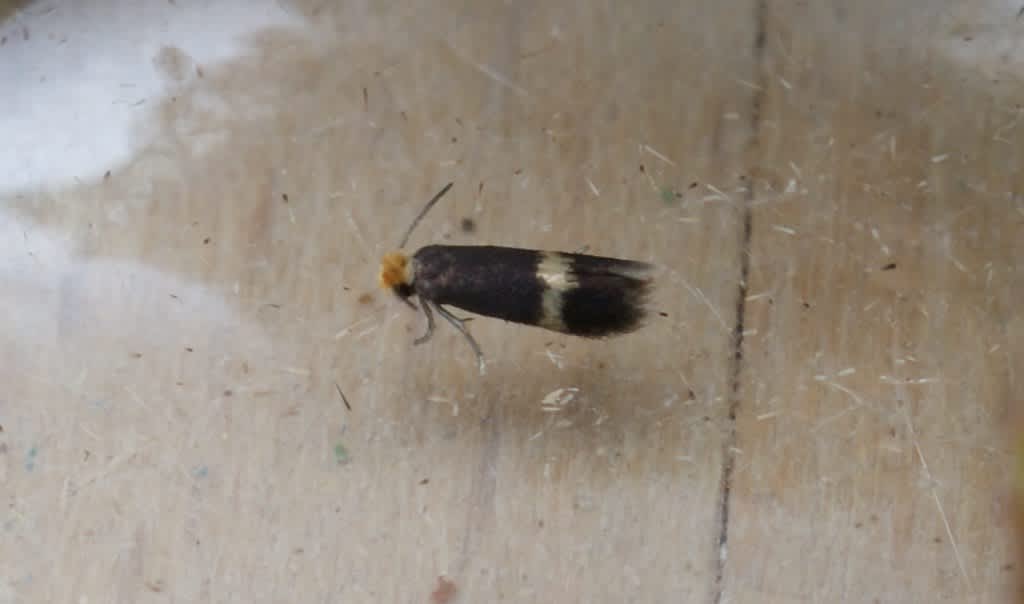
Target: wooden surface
pixel 196 199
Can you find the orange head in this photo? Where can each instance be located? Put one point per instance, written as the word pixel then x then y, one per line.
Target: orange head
pixel 396 272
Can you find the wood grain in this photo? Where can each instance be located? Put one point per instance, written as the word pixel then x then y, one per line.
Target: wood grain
pixel 831 196
pixel 877 375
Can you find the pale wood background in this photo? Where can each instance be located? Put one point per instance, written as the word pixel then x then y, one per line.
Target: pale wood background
pixel 832 192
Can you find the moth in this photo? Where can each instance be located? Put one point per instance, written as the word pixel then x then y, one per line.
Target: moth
pixel 570 293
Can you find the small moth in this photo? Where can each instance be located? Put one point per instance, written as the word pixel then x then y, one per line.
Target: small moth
pixel 576 294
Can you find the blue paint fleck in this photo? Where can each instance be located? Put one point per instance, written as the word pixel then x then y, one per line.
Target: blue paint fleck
pixel 340 454
pixel 30 459
pixel 200 472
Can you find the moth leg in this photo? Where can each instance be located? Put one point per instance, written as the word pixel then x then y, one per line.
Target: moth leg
pixel 459 324
pixel 408 303
pixel 430 322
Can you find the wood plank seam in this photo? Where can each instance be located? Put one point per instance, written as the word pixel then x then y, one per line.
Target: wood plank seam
pixel 736 368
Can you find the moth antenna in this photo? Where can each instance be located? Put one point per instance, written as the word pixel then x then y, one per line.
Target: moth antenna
pixel 423 213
